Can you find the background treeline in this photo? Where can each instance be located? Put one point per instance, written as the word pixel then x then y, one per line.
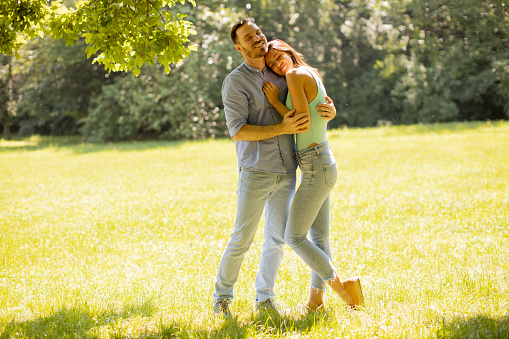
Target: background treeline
pixel 397 62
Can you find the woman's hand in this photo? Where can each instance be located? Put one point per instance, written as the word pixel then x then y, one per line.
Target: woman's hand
pixel 272 92
pixel 328 111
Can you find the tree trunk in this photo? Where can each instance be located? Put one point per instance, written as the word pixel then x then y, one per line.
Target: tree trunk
pixel 7 125
pixel 6 116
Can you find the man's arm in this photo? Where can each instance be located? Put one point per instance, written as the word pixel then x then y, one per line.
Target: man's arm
pixel 291 124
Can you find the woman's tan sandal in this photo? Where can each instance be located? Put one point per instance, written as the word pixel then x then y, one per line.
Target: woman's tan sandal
pixel 353 287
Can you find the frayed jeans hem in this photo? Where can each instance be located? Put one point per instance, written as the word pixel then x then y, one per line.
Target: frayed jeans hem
pixel 325 280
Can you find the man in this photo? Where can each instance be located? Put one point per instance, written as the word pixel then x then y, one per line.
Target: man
pixel 265 151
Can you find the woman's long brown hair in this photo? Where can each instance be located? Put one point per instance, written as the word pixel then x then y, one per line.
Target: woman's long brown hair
pixel 297 58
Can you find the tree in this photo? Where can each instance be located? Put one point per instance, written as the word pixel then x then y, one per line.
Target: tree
pixel 5 94
pixel 183 104
pixel 153 105
pixel 54 85
pixel 455 60
pixel 126 34
pixel 401 62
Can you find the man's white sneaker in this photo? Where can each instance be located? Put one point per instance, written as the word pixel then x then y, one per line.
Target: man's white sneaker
pixel 222 308
pixel 268 305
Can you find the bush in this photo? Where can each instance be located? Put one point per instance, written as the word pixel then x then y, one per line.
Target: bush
pixel 26 130
pixel 152 105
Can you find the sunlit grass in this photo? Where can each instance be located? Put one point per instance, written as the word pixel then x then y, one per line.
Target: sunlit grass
pixel 123 240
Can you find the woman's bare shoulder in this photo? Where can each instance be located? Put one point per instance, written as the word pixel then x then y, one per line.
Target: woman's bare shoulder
pixel 299 74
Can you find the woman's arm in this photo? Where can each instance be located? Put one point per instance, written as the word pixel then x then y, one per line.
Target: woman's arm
pixel 296 79
pixel 272 93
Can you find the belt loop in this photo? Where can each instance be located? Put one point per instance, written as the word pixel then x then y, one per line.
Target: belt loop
pixel 316 149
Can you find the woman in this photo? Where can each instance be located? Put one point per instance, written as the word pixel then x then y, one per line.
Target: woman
pixel 310 207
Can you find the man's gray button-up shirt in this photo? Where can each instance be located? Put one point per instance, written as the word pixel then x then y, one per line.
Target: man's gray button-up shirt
pixel 245 103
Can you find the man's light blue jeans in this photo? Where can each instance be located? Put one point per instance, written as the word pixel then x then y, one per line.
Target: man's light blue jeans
pixel 310 212
pixel 257 191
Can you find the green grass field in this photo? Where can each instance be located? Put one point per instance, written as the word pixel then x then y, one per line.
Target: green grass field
pixel 123 240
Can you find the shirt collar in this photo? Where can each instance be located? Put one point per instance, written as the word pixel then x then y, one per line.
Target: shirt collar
pixel 253 69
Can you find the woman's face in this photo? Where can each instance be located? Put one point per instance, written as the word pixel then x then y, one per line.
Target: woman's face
pixel 280 62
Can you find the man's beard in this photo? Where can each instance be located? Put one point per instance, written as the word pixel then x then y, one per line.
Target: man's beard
pixel 255 54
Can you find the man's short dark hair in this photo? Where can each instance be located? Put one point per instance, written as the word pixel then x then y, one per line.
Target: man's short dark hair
pixel 233 32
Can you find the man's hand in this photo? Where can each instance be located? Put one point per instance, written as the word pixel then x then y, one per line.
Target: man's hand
pixel 291 124
pixel 328 111
pixel 295 123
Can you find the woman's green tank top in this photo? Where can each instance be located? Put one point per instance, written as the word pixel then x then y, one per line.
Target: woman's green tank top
pixel 317 129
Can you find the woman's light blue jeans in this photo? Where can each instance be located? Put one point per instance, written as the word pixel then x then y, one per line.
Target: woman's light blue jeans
pixel 257 191
pixel 310 212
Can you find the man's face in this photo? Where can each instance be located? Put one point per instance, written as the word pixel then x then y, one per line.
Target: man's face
pixel 251 41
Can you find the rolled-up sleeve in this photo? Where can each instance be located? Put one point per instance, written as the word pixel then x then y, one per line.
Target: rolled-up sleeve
pixel 236 105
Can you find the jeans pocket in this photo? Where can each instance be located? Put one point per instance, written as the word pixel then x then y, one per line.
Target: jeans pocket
pixel 307 163
pixel 306 167
pixel 331 174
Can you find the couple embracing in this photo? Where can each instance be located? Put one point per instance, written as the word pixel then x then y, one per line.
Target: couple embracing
pixel 277 113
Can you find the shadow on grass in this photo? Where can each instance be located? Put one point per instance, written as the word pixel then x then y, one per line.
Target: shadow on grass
pixel 258 325
pixel 479 326
pixel 76 145
pixel 79 322
pixel 74 322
